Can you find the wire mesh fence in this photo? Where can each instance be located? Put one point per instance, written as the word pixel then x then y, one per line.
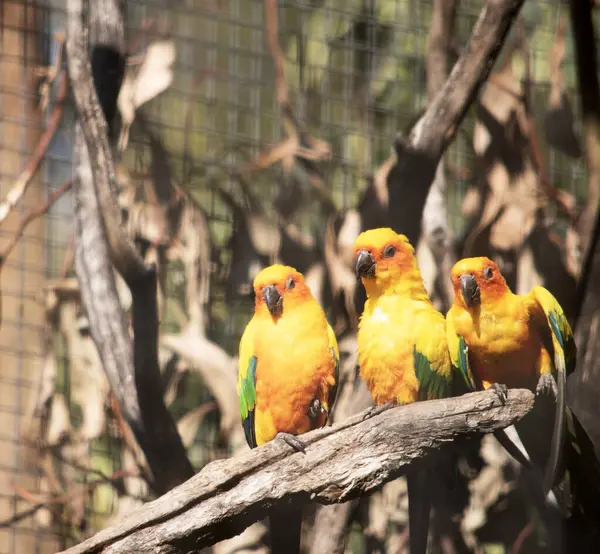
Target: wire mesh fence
pixel 356 74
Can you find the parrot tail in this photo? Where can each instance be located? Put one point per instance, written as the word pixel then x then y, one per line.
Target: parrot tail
pixel 419 507
pixel 285 530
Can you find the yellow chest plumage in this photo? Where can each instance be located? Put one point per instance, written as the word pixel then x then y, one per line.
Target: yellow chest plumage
pixel 295 365
pixel 389 330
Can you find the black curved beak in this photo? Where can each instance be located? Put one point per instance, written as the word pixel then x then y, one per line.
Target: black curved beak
pixel 365 265
pixel 469 290
pixel 273 300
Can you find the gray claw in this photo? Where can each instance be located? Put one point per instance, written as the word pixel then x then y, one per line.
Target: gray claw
pixel 292 441
pixel 501 391
pixel 547 385
pixel 316 409
pixel 375 410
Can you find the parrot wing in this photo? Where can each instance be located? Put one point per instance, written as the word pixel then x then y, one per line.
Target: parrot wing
pixel 556 332
pixel 336 356
pixel 459 353
pixel 563 343
pixel 247 385
pixel 432 367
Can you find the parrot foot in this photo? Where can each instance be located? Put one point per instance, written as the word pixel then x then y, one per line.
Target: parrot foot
pixel 501 391
pixel 375 410
pixel 547 386
pixel 292 441
pixel 316 409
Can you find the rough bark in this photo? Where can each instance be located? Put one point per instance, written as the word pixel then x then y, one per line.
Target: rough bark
pixel 410 179
pixel 584 385
pixel 437 235
pixel 341 462
pixel 331 524
pixel 133 374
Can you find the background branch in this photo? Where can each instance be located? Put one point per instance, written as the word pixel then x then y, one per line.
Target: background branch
pixel 410 179
pixel 22 183
pixel 134 376
pixel 583 385
pixel 341 462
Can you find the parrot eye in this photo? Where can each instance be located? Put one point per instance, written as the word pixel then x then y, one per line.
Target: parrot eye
pixel 290 283
pixel 487 273
pixel 389 251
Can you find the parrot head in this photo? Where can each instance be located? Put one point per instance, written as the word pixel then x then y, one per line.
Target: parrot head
pixel 383 257
pixel 277 284
pixel 477 280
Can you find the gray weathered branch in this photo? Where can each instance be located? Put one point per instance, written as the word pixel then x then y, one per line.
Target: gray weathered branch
pixel 410 179
pixel 133 374
pixel 342 462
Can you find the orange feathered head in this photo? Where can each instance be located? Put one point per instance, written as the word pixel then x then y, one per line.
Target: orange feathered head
pixel 279 284
pixel 383 256
pixel 477 281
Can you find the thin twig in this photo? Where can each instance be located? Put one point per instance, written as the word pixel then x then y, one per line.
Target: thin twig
pixel 521 538
pixel 30 216
pixel 51 504
pixel 22 183
pixel 272 32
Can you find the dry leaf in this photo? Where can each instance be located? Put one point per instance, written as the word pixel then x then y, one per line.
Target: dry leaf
pixel 189 424
pixel 59 424
pixel 154 76
pixel 89 386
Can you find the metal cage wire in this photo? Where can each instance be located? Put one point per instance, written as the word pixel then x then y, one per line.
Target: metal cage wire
pixel 356 73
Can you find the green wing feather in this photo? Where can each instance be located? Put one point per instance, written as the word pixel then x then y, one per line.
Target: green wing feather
pixel 555 328
pixel 431 383
pixel 247 383
pixel 247 392
pixel 459 354
pixel 563 342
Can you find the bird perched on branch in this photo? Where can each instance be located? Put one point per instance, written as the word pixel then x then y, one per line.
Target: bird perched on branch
pixel 402 352
pixel 288 375
pixel 500 339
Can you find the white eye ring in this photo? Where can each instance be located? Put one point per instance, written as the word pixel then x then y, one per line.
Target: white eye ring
pixel 487 273
pixel 290 283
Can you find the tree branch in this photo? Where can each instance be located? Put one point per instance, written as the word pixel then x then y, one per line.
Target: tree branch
pixel 21 185
pixel 410 179
pixel 134 375
pixel 586 58
pixel 584 384
pixel 342 462
pixel 30 216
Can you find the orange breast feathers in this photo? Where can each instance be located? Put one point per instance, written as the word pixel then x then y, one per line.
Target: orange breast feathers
pixel 498 328
pixel 296 364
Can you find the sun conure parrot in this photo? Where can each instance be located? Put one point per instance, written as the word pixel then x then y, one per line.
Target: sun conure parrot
pixel 500 339
pixel 402 352
pixel 288 375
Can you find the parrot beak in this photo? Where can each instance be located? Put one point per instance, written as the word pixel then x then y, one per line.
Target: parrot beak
pixel 469 290
pixel 273 300
pixel 365 265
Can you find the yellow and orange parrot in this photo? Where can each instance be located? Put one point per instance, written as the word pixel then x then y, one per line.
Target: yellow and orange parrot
pixel 504 340
pixel 402 351
pixel 288 374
